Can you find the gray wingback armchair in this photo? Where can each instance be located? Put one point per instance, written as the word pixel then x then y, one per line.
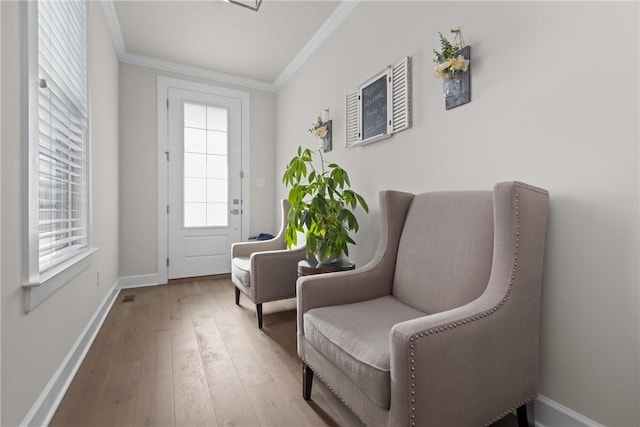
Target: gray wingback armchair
pixel 266 270
pixel 441 328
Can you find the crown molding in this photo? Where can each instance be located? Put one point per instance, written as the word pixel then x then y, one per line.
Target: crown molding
pixel 335 19
pixel 174 67
pixel 114 27
pixel 323 33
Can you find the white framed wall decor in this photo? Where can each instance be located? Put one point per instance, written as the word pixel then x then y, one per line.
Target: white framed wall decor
pixel 381 106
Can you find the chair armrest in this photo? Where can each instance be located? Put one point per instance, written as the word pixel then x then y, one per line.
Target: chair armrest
pixel 342 287
pixel 245 249
pixel 478 354
pixel 281 257
pixel 276 272
pixel 373 280
pixel 484 356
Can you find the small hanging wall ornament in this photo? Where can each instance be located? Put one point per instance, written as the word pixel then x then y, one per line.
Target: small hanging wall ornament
pixel 321 129
pixel 452 66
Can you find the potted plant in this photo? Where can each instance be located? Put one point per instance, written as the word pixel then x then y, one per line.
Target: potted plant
pixel 322 205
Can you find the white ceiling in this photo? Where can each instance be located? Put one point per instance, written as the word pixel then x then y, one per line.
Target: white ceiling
pixel 224 38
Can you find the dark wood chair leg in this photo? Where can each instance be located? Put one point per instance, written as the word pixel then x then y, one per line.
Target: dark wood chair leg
pixel 307 381
pixel 259 312
pixel 525 415
pixel 237 295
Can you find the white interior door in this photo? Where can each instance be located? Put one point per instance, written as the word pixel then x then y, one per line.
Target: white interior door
pixel 205 201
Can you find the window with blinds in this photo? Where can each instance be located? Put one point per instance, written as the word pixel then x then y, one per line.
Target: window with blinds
pixel 62 132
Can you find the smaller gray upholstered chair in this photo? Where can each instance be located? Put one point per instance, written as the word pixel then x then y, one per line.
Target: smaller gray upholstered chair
pixel 266 270
pixel 441 327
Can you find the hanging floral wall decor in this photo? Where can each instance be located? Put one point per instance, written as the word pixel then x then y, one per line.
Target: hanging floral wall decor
pixel 321 129
pixel 452 66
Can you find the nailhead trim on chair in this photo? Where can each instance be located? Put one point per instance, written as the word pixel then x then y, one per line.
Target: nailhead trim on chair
pixel 489 312
pixel 462 322
pixel 504 414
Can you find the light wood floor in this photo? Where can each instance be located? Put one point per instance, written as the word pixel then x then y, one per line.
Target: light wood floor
pixel 185 354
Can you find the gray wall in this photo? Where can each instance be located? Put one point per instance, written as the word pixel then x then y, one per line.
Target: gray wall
pixel 139 171
pixel 34 344
pixel 551 107
pixel 548 108
pixel 0 209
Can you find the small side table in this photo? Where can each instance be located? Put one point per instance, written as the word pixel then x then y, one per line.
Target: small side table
pixel 309 267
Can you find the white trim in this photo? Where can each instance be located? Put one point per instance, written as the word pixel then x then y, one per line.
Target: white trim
pixel 335 19
pixel 174 67
pixel 159 64
pixel 549 413
pixel 164 83
pixel 0 206
pixel 39 286
pixel 139 281
pixel 30 148
pixel 47 403
pixel 113 24
pixel 163 180
pixel 36 292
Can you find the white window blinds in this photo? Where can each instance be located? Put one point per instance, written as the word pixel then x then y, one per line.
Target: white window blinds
pixel 62 132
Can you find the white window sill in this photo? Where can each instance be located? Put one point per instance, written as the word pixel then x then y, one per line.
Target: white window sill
pixel 37 291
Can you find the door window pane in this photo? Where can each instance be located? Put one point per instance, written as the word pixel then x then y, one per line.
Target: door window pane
pixel 217 167
pixel 195 190
pixel 195 140
pixel 195 165
pixel 195 214
pixel 217 190
pixel 217 142
pixel 205 170
pixel 216 118
pixel 195 116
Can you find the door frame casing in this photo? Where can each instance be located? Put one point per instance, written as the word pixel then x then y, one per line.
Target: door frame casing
pixel 164 83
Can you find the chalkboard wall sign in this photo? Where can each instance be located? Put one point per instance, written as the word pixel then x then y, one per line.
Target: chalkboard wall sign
pixel 374 109
pixel 381 106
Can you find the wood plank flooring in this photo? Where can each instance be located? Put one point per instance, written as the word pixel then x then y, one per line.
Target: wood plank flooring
pixel 185 355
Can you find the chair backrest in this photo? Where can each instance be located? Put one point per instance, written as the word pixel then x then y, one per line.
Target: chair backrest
pixel 284 218
pixel 445 250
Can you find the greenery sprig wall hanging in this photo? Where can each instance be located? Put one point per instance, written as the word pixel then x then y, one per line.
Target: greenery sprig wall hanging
pixel 322 205
pixel 452 66
pixel 321 129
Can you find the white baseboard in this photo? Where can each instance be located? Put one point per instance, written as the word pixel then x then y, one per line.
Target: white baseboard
pixel 549 413
pixel 45 406
pixel 138 281
pixel 47 403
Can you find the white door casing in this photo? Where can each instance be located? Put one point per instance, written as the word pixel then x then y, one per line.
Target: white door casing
pixel 198 235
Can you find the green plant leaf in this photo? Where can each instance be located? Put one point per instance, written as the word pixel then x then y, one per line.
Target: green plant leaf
pixel 349 198
pixel 363 203
pixel 291 236
pixel 350 218
pixel 321 205
pixel 346 178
